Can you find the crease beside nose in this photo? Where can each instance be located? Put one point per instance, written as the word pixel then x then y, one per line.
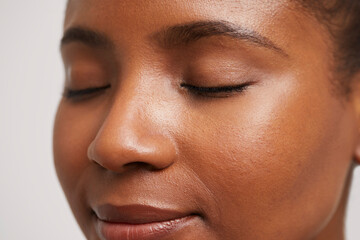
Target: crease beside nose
pixel 126 140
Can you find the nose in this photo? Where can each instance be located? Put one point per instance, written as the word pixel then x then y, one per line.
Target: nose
pixel 132 136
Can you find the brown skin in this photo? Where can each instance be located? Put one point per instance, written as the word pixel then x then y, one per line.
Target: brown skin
pixel 271 162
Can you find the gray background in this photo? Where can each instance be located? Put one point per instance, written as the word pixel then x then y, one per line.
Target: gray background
pixel 32 205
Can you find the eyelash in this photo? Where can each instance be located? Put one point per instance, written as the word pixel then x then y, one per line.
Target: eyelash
pixel 211 92
pixel 216 92
pixel 76 94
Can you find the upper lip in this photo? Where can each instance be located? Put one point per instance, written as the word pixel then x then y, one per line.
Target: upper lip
pixel 136 214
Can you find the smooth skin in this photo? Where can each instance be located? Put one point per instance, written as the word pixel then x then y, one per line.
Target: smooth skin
pixel 272 160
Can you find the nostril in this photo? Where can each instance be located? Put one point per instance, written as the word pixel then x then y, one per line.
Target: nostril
pixel 140 165
pixel 131 166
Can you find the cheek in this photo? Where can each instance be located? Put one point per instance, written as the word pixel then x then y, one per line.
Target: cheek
pixel 74 129
pixel 283 154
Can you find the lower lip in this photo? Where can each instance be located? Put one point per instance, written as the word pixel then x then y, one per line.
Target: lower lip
pixel 147 231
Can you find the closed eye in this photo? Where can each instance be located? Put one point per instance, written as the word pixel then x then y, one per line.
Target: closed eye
pixel 216 92
pixel 81 93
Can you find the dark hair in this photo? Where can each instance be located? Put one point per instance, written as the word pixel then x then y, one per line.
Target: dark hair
pixel 342 19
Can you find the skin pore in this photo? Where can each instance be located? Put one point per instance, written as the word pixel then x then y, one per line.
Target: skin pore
pixel 220 110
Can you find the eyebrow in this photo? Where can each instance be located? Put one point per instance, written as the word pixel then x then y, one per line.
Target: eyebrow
pixel 86 36
pixel 176 35
pixel 183 34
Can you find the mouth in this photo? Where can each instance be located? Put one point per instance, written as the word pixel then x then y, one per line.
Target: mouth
pixel 140 222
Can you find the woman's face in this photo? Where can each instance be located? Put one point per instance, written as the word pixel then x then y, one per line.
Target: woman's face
pixel 201 119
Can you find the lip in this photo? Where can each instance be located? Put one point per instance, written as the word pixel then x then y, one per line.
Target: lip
pixel 139 222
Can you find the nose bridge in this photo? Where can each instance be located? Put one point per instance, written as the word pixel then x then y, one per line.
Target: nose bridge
pixel 130 134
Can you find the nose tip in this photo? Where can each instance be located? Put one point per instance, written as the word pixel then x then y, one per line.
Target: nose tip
pixel 123 151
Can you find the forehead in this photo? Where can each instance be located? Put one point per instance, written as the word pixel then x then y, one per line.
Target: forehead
pixel 148 15
pixel 128 23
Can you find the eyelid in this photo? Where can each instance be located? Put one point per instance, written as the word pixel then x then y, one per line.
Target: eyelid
pixel 215 92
